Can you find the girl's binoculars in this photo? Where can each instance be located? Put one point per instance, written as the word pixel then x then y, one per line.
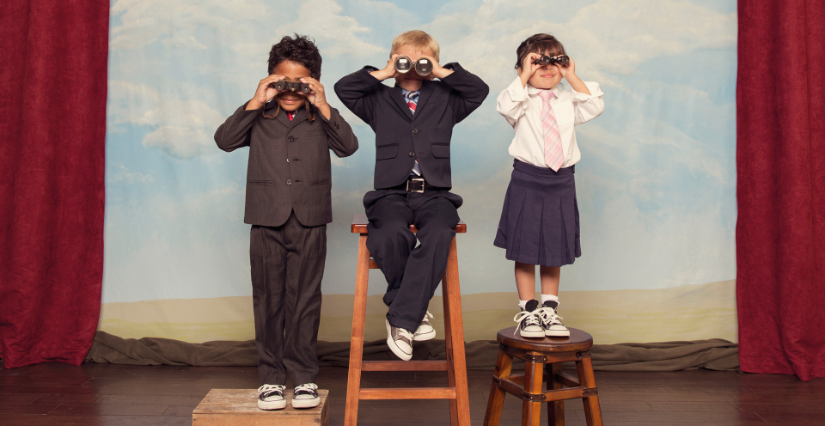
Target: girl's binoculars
pixel 290 86
pixel 562 60
pixel 422 66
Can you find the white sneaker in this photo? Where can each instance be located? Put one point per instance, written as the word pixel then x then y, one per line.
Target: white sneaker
pixel 551 321
pixel 400 341
pixel 529 323
pixel 425 330
pixel 306 396
pixel 271 397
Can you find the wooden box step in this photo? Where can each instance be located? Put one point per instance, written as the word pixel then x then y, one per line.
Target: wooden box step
pixel 240 407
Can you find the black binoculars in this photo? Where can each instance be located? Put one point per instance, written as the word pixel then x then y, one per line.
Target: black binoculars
pixel 422 66
pixel 291 86
pixel 562 60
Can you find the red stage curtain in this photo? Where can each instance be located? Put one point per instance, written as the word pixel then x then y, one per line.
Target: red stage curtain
pixel 780 234
pixel 53 130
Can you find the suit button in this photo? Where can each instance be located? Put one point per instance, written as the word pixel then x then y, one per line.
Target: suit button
pixel 415 131
pixel 412 154
pixel 289 181
pixel 290 139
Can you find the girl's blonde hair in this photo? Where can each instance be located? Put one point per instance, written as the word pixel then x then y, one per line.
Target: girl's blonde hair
pixel 417 39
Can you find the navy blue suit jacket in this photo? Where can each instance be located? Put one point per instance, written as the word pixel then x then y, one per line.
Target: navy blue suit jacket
pixel 401 137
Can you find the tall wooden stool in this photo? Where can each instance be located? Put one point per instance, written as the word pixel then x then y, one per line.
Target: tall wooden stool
pixel 455 365
pixel 543 362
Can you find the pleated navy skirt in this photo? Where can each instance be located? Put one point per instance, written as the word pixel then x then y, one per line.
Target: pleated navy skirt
pixel 539 223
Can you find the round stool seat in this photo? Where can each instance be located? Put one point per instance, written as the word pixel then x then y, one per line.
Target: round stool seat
pixel 578 341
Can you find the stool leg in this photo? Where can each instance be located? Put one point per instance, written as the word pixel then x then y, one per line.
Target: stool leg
pixel 592 411
pixel 531 411
pixel 356 348
pixel 451 285
pixel 448 341
pixel 555 409
pixel 495 401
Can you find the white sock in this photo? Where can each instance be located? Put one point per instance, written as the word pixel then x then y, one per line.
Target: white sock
pixel 522 304
pixel 546 297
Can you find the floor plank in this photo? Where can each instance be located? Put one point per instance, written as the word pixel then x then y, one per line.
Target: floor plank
pixel 105 394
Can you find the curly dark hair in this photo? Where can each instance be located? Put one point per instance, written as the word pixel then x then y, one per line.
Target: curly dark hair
pixel 300 50
pixel 538 43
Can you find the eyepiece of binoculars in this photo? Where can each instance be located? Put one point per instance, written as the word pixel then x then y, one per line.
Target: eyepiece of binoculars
pixel 562 60
pixel 291 86
pixel 422 66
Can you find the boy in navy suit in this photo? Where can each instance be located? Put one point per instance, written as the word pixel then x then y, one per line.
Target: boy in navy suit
pixel 413 123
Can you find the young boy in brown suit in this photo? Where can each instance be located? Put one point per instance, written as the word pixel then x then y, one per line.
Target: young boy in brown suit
pixel 289 129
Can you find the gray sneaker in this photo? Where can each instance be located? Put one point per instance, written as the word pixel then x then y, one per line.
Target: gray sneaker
pixel 551 321
pixel 271 397
pixel 306 396
pixel 425 330
pixel 529 322
pixel 400 341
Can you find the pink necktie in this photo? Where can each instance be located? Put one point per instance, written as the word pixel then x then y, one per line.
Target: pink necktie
pixel 553 155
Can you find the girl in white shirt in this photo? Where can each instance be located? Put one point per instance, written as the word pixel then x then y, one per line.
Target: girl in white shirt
pixel 539 223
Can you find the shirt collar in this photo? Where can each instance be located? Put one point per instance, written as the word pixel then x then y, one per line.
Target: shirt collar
pixel 532 91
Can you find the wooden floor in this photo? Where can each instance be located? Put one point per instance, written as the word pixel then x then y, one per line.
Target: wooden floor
pixel 105 394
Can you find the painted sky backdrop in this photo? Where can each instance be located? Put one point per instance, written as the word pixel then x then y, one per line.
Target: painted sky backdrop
pixel 656 184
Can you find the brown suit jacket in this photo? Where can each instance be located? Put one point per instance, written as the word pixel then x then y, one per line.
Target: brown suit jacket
pixel 289 163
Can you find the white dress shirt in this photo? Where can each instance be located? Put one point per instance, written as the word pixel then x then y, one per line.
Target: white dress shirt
pixel 521 107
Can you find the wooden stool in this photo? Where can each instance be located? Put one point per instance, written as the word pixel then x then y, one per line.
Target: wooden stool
pixel 543 362
pixel 455 365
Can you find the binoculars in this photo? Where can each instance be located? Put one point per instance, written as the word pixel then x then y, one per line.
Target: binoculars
pixel 422 66
pixel 291 86
pixel 562 60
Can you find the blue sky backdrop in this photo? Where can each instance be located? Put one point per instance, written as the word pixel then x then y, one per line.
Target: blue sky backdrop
pixel 656 184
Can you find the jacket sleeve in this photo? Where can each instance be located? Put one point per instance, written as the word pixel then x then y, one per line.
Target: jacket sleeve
pixel 359 92
pixel 234 133
pixel 342 141
pixel 469 91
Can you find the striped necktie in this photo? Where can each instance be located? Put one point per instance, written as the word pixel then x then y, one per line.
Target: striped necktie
pixel 412 101
pixel 553 155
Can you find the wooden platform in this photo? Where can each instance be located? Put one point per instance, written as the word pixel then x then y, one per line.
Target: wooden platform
pixel 227 407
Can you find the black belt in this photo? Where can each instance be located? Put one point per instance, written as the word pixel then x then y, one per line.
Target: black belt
pixel 414 184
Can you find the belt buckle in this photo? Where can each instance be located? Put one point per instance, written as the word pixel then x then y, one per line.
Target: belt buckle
pixel 421 180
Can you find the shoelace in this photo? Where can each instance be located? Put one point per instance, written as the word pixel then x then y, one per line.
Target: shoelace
pixel 427 320
pixel 529 318
pixel 404 333
pixel 549 316
pixel 265 391
pixel 306 387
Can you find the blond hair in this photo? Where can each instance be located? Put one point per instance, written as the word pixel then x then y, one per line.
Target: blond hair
pixel 416 39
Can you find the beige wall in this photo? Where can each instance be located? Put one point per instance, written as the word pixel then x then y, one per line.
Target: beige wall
pixel 680 313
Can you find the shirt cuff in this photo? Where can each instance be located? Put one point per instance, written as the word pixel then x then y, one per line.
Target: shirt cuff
pixel 518 93
pixel 595 92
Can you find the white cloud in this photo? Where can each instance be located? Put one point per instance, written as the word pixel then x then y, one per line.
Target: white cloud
pixel 180 128
pixel 121 173
pixel 180 142
pixel 606 38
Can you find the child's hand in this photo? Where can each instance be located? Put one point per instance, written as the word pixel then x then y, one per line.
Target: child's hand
pixel 264 92
pixel 388 71
pixel 528 68
pixel 569 70
pixel 438 70
pixel 317 97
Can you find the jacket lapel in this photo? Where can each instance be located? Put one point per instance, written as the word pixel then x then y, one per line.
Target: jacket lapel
pixel 398 97
pixel 423 94
pixel 300 115
pixel 270 109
